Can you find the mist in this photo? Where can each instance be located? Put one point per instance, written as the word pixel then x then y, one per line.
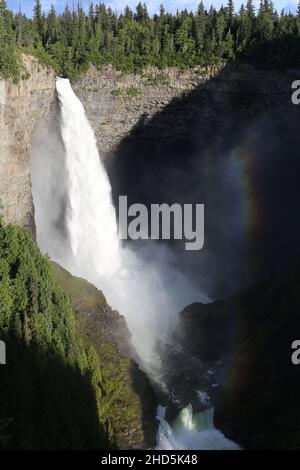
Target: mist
pixel 76 225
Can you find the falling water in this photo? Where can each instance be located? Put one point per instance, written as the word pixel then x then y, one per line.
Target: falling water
pixel 76 224
pixel 89 204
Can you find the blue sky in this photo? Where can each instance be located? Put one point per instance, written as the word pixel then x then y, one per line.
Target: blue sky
pixel 153 5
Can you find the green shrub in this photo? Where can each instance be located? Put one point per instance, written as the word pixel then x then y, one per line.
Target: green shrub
pixel 132 91
pixel 117 92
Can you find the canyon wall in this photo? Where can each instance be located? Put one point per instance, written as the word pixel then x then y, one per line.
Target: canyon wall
pixel 116 102
pixel 238 350
pixel 165 126
pixel 179 121
pixel 22 107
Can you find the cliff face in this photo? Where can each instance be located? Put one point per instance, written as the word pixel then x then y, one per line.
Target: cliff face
pixel 22 106
pixel 172 102
pixel 164 106
pixel 231 143
pixel 115 102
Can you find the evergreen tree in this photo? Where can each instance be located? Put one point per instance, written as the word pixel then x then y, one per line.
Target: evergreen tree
pixel 9 57
pixel 230 12
pixel 265 20
pixel 53 30
pixel 250 9
pixel 141 14
pixel 128 14
pixel 229 45
pixel 200 26
pixel 73 39
pixel 38 20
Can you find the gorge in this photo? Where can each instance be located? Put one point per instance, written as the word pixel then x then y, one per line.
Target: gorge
pixel 230 162
pixel 87 230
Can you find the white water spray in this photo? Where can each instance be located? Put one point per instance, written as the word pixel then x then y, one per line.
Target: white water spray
pixel 191 432
pixel 90 216
pixel 76 225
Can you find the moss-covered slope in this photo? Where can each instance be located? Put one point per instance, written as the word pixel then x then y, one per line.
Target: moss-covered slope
pixel 50 386
pixel 128 401
pixel 66 384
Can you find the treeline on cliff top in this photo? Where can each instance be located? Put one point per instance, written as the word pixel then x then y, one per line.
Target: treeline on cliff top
pixel 51 386
pixel 131 40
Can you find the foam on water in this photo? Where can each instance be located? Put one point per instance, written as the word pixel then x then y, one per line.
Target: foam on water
pixel 191 432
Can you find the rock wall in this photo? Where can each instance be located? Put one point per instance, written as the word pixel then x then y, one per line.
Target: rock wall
pixel 22 106
pixel 115 102
pixel 238 350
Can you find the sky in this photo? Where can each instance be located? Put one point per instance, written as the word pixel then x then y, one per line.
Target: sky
pixel 153 5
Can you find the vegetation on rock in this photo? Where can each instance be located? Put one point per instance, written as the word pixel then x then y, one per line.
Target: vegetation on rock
pixel 9 54
pixel 127 398
pixel 66 383
pixel 51 386
pixel 71 41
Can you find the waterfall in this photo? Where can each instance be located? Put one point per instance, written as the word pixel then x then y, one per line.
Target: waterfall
pixel 89 203
pixel 88 191
pixel 76 225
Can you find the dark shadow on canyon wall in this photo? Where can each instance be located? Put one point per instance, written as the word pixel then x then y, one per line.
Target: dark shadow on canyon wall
pixel 231 143
pixel 148 401
pixel 239 351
